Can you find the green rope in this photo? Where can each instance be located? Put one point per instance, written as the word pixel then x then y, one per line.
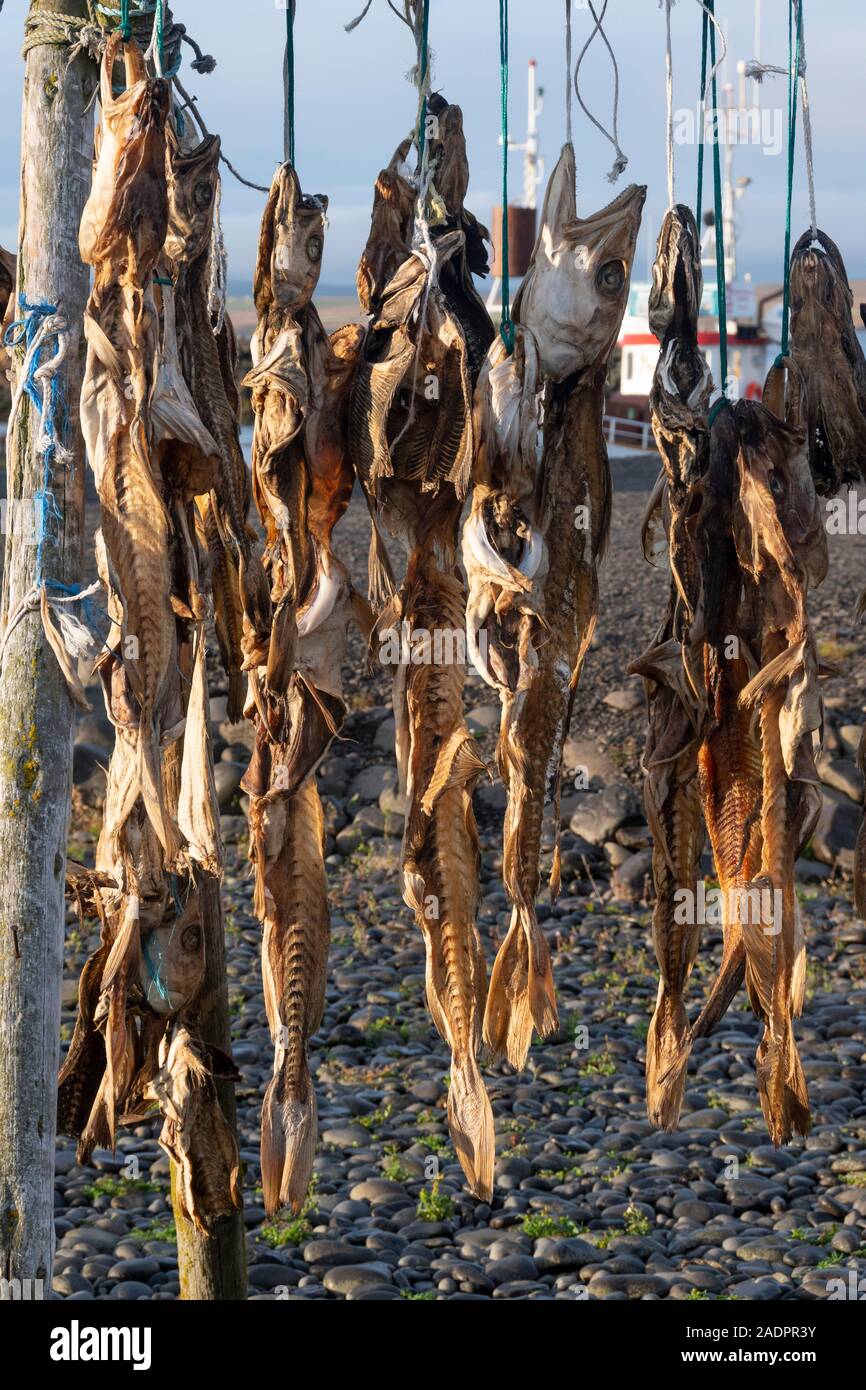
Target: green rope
pixel 506 325
pixel 719 218
pixel 793 84
pixel 125 26
pixel 160 33
pixel 289 88
pixel 423 62
pixel 706 21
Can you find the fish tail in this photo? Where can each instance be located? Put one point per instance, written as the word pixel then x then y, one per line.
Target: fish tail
pixel 289 1133
pixel 236 697
pixel 782 1085
pixel 521 996
pixel 668 1046
pixel 470 1120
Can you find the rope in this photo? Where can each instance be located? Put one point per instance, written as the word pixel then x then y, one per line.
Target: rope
pixel 43 334
pixel 669 84
pixel 758 71
pixel 568 139
pixel 289 87
pixel 189 104
pixel 506 325
pixel 708 15
pixel 793 87
pixel 423 68
pixel 621 159
pixel 719 227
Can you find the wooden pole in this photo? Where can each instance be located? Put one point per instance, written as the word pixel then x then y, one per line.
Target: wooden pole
pixel 37 719
pixel 213 1266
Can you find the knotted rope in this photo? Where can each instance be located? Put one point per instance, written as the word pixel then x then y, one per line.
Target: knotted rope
pixel 621 160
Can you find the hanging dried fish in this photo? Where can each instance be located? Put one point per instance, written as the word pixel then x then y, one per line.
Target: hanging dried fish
pixel 827 351
pixel 761 524
pixel 536 532
pixel 135 1041
pixel 209 359
pixel 302 483
pixel 679 401
pixel 413 444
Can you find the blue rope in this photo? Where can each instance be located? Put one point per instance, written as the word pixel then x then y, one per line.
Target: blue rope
pixel 22 334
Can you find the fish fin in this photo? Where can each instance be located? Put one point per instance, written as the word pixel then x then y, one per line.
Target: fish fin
pixel 668 1046
pixel 725 987
pixel 782 1087
pixel 470 1120
pixel 237 697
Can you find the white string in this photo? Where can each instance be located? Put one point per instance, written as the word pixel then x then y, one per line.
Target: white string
pixel 669 83
pixel 721 58
pixel 568 139
pixel 621 159
pixel 758 71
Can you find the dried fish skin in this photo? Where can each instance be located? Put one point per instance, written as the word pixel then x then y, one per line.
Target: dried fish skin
pixel 290 248
pixel 827 351
pixel 131 160
pixel 441 859
pixel 288 839
pixel 390 229
pixel 195 1133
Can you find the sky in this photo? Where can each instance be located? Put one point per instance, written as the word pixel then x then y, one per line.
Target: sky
pixel 354 105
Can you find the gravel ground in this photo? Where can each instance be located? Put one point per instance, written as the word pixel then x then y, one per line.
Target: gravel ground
pixel 589 1201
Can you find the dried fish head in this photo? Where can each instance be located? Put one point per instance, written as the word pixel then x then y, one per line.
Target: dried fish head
pixel 390 229
pixel 574 294
pixel 173 960
pixel 127 206
pixel 675 297
pixel 291 244
pixel 777 524
pixel 825 347
pixel 193 178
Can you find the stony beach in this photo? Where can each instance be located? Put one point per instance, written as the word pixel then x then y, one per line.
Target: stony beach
pixel 589 1201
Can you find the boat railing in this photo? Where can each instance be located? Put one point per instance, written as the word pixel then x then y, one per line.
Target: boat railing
pixel 637 434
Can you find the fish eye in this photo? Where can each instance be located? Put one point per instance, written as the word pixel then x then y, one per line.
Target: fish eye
pixel 611 277
pixel 202 194
pixel 776 484
pixel 314 248
pixel 191 939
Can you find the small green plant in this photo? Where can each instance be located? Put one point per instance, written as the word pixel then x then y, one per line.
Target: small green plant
pixel 426 1296
pixel 434 1205
pixel 598 1064
pixel 697 1296
pixel 855 1179
pixel 544 1223
pixel 392 1169
pixel 377 1117
pixel 118 1187
pixel 636 1223
pixel 166 1232
pixel 295 1230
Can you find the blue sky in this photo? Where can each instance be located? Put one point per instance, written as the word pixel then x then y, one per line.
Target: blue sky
pixel 354 105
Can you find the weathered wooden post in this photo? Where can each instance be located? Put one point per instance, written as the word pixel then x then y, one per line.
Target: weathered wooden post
pixel 36 726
